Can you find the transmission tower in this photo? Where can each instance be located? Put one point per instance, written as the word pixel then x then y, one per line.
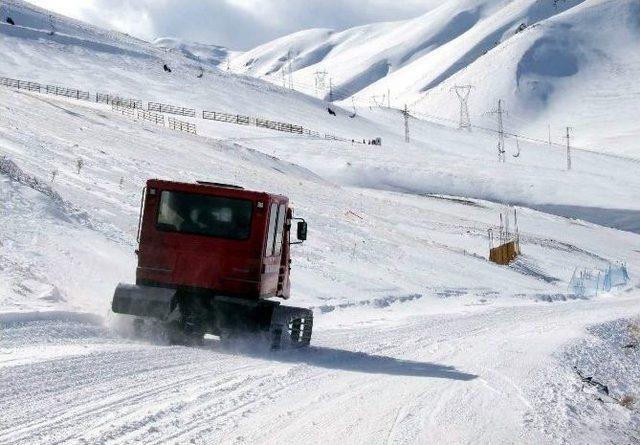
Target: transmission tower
pixel 52 28
pixel 568 137
pixel 330 89
pixel 406 115
pixel 463 91
pixel 501 148
pixel 289 70
pixel 388 88
pixel 321 83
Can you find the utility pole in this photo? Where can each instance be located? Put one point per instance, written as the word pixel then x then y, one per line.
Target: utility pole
pixel 406 124
pixel 463 91
pixel 501 148
pixel 568 149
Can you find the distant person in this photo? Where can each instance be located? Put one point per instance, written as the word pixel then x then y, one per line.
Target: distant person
pixel 331 112
pixel 166 68
pixel 10 21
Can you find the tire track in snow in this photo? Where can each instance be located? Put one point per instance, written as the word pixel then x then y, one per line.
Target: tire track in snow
pixel 68 413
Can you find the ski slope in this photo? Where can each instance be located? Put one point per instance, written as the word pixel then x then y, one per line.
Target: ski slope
pixel 419 338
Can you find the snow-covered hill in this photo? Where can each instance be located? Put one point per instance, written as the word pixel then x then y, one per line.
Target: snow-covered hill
pixel 557 63
pixel 418 337
pixel 209 54
pixel 438 160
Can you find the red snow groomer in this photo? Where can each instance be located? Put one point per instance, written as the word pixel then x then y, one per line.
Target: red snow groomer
pixel 210 258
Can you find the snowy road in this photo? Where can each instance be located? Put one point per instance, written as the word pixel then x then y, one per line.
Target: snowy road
pixel 468 374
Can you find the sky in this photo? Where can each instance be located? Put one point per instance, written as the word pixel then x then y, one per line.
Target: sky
pixel 236 24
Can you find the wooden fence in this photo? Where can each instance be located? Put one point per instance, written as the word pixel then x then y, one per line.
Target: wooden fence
pixel 227 118
pixel 164 108
pixel 20 84
pixel 253 121
pixel 67 92
pixel 179 125
pixel 113 99
pixel 150 116
pixel 127 111
pixel 154 108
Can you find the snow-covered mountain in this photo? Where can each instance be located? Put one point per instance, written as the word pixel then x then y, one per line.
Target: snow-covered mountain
pixel 563 63
pixel 210 54
pixel 418 337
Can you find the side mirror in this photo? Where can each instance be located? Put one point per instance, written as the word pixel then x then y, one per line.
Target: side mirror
pixel 301 232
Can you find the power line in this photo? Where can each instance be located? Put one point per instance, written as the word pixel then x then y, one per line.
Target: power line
pixel 463 91
pixel 344 92
pixel 592 150
pixel 374 99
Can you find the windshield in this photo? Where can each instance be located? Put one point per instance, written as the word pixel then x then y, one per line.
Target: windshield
pixel 205 215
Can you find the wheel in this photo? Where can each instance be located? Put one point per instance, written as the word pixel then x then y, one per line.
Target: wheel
pixel 176 334
pixel 291 328
pixel 187 323
pixel 138 328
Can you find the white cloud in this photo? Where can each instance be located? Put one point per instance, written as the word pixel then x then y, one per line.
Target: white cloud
pixel 238 24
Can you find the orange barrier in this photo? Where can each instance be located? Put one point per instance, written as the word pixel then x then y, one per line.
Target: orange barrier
pixel 505 253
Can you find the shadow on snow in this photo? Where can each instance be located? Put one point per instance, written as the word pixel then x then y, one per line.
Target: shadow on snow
pixel 331 358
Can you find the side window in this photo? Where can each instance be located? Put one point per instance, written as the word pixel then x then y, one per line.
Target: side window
pixel 271 231
pixel 282 214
